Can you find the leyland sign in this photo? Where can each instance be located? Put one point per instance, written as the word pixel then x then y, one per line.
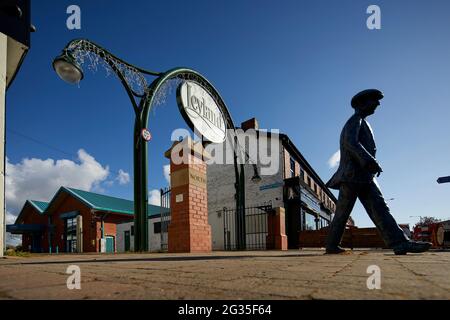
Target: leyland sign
pixel 200 111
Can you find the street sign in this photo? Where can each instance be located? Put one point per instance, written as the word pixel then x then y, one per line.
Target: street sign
pixel 201 111
pixel 443 179
pixel 146 135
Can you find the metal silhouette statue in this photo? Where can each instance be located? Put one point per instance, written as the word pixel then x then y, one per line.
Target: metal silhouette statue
pixel 355 178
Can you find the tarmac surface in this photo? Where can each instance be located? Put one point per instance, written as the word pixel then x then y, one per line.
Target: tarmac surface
pixel 293 274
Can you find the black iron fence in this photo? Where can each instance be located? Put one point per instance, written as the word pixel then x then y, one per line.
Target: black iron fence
pixel 165 217
pixel 249 232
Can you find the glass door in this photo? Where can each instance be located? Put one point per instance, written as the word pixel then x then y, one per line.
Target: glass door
pixel 71 235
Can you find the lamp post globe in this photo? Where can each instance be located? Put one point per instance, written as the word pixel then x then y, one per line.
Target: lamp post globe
pixel 68 69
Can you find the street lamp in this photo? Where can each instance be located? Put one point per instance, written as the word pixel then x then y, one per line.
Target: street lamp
pixel 67 66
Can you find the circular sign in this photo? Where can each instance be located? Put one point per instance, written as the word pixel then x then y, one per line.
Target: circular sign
pixel 146 134
pixel 201 112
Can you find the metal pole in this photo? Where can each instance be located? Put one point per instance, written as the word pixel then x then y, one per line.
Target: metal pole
pixel 242 205
pixel 238 200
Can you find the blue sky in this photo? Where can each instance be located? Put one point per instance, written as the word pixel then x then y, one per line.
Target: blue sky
pixel 292 64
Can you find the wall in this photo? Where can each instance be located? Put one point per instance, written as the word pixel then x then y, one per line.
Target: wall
pixel 90 227
pixel 154 240
pixel 32 216
pixel 221 191
pixel 3 61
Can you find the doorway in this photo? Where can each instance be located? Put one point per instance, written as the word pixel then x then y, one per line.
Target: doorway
pixel 110 244
pixel 127 240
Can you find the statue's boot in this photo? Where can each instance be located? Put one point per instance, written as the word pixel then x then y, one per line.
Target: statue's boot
pixel 412 247
pixel 334 250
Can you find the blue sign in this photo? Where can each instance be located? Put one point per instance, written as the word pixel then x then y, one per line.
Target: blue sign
pixel 271 186
pixel 310 200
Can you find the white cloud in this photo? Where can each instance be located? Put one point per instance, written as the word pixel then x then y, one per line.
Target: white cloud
pixel 166 169
pixel 13 239
pixel 333 162
pixel 39 179
pixel 154 197
pixel 10 218
pixel 123 177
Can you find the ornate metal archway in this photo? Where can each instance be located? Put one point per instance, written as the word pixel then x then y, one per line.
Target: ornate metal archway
pixel 142 96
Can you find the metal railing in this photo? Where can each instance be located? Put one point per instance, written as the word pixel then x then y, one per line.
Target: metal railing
pixel 256 228
pixel 165 217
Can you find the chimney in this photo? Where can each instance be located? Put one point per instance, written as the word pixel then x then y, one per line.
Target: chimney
pixel 250 124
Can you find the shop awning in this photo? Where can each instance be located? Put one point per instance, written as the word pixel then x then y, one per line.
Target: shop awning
pixel 25 228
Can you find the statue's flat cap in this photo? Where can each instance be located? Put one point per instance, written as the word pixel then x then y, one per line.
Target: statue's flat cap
pixel 369 94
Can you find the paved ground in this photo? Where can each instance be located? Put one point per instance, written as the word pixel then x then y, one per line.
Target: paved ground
pixel 305 274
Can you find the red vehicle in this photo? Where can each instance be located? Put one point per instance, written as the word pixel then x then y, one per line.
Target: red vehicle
pixel 437 233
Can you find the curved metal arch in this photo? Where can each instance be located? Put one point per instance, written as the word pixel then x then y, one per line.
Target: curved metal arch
pixel 185 74
pixel 145 71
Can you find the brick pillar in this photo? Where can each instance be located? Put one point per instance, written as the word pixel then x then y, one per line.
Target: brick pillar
pixel 276 237
pixel 189 230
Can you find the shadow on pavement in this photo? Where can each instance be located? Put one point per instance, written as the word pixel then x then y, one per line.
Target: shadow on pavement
pixel 170 259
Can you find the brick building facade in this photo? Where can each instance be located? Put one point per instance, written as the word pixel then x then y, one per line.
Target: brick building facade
pixel 295 185
pixel 74 221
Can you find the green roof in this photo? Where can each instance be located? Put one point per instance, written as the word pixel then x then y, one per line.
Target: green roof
pixel 39 205
pixel 107 203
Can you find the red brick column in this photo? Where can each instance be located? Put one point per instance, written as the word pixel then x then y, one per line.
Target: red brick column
pixel 189 230
pixel 276 237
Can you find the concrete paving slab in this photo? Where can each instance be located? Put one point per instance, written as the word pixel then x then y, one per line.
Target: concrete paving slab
pixel 293 274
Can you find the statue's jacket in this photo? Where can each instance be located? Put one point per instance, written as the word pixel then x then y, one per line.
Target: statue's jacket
pixel 357 146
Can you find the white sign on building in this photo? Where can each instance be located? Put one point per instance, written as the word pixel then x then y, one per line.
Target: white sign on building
pixel 200 111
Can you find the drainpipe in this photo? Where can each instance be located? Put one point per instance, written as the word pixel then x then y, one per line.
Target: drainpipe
pixel 104 216
pixel 49 235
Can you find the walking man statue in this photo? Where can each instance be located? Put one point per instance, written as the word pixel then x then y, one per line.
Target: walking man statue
pixel 355 178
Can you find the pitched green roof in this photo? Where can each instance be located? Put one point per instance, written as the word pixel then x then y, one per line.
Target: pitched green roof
pixel 107 203
pixel 39 205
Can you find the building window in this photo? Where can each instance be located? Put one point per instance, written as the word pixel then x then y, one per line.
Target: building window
pixel 302 174
pixel 132 231
pixel 310 222
pixel 292 167
pixel 308 181
pixel 157 227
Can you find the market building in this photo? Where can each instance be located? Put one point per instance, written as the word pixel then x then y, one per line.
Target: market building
pixel 74 221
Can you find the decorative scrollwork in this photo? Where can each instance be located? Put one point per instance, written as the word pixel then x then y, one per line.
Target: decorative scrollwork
pixel 86 52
